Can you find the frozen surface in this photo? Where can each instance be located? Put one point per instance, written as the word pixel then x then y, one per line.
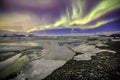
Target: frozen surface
pixel 56 52
pixel 41 68
pixel 101 45
pixel 52 57
pixel 88 50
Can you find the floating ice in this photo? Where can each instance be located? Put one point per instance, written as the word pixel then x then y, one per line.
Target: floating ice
pixel 9 61
pixel 101 45
pixel 52 57
pixel 42 68
pixel 88 50
pixel 56 52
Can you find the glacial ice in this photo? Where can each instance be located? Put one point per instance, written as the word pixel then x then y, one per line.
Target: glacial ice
pixel 88 50
pixel 52 57
pixel 56 52
pixel 9 61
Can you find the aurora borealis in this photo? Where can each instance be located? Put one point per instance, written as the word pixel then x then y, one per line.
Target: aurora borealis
pixel 32 15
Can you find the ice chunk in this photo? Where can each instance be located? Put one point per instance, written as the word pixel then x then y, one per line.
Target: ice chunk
pixel 40 69
pixel 88 50
pixel 56 52
pixel 9 61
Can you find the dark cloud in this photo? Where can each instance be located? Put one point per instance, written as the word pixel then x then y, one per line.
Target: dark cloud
pixel 1 5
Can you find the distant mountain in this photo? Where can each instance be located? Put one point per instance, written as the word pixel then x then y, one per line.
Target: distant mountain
pixel 109 34
pixel 67 32
pixel 4 33
pixel 115 35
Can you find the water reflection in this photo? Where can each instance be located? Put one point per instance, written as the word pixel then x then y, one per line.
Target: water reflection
pixel 26 43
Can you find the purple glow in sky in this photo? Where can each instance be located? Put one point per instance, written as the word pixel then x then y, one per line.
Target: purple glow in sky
pixel 34 15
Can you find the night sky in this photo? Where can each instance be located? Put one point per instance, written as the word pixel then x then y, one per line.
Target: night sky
pixel 60 16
